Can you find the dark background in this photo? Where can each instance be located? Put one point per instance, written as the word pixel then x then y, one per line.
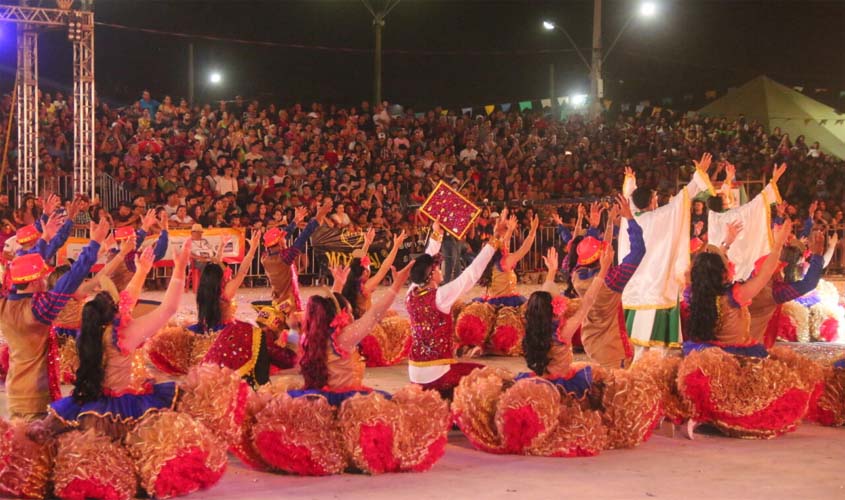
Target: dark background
pixel 690 47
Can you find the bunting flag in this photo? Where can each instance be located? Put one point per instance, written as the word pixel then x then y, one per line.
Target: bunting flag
pixel 807 121
pixel 607 103
pixel 563 99
pixel 656 111
pixel 489 108
pixel 666 101
pixel 626 106
pixel 506 107
pixel 523 105
pixel 823 122
pixel 640 107
pixel 688 97
pixel 840 122
pixel 710 94
pixel 799 88
pixel 546 103
pixel 466 111
pixel 444 112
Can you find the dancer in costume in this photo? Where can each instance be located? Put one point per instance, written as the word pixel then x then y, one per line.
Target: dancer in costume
pixel 429 306
pixel 122 425
pixel 724 363
pixel 390 339
pixel 56 227
pixel 767 317
pixel 495 322
pixel 561 409
pixel 651 296
pixel 176 349
pixel 25 318
pixel 279 260
pixel 335 423
pixel 603 333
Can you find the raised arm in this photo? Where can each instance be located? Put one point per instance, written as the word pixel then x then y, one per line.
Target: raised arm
pixel 127 247
pixel 510 261
pixel 743 293
pixel 349 338
pixel 143 264
pixel 134 334
pixel 452 291
pixel 574 322
pixel 235 283
pixel 552 261
pixel 784 292
pixel 46 306
pixel 435 240
pixel 374 281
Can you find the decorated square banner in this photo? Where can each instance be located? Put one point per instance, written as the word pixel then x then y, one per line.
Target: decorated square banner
pixel 451 209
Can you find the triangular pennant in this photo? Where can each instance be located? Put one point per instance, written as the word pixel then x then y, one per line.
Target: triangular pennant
pixel 444 112
pixel 523 105
pixel 562 99
pixel 466 111
pixel 640 107
pixel 607 103
pixel 506 107
pixel 546 103
pixel 823 122
pixel 840 122
pixel 656 111
pixel 799 88
pixel 807 121
pixel 626 106
pixel 489 108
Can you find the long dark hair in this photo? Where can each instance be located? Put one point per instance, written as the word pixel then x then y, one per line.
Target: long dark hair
pixel 538 331
pixel 96 315
pixel 319 314
pixel 707 276
pixel 352 287
pixel 208 297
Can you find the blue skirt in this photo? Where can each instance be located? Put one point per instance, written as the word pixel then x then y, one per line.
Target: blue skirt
pixel 755 351
pixel 576 385
pixel 128 407
pixel 506 301
pixel 334 398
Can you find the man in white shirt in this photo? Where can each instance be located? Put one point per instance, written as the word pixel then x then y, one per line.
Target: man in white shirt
pixel 469 152
pixel 431 360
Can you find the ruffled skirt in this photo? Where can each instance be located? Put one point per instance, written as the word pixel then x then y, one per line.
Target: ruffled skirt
pixel 497 325
pixel 389 342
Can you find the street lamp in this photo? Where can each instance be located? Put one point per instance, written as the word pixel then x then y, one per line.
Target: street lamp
pixel 215 78
pixel 647 9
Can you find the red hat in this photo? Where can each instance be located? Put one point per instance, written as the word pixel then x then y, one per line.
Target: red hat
pixel 589 250
pixel 273 237
pixel 122 233
pixel 28 234
pixel 27 268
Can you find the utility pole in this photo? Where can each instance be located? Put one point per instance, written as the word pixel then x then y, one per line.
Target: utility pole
pixel 190 74
pixel 596 83
pixel 552 90
pixel 379 17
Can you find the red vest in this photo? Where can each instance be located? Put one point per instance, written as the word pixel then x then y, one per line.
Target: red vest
pixel 431 329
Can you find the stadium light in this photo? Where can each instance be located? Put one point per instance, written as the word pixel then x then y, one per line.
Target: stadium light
pixel 578 100
pixel 648 9
pixel 215 78
pixel 548 25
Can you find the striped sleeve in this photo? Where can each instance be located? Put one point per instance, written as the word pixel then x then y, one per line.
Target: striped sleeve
pixel 46 306
pixel 619 276
pixel 290 254
pixel 784 292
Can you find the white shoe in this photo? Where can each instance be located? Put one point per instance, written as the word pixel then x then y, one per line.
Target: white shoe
pixel 688 429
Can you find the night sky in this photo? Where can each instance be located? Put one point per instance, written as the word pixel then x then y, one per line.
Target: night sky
pixel 690 47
